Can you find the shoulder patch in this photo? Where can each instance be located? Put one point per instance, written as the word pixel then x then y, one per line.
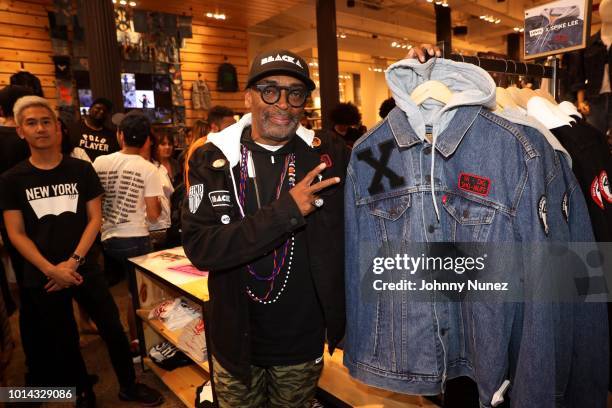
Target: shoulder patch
pixel 196 193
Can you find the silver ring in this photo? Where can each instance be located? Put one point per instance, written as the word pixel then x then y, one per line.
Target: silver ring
pixel 319 202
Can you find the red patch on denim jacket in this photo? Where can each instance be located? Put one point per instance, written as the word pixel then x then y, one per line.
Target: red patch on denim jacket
pixel 327 160
pixel 474 184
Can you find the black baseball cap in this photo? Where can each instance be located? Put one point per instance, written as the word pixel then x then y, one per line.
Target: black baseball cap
pixel 280 62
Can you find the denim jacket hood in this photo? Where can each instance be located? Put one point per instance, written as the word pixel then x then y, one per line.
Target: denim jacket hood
pixel 470 85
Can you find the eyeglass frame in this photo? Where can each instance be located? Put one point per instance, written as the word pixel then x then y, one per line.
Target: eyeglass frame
pixel 260 88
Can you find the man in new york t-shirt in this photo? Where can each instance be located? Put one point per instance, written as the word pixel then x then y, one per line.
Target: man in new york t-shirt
pixel 91 133
pixel 52 212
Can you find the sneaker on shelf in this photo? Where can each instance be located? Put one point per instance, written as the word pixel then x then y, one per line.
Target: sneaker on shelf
pixel 168 356
pixel 145 395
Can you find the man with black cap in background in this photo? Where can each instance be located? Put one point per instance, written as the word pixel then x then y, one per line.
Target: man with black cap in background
pixel 92 133
pixel 265 217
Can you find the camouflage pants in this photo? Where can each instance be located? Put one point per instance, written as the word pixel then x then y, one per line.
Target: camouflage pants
pixel 271 387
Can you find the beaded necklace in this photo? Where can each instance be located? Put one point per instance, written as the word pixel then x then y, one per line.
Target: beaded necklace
pixel 279 256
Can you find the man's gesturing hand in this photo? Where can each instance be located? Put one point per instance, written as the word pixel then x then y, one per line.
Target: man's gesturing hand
pixel 304 192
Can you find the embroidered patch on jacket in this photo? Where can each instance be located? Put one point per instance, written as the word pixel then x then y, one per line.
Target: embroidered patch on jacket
pixel 542 210
pixel 474 184
pixel 220 198
pixel 225 219
pixel 327 160
pixel 604 186
pixel 596 193
pixel 196 193
pixel 565 206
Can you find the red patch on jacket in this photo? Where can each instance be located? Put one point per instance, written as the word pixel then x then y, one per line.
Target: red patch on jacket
pixel 474 184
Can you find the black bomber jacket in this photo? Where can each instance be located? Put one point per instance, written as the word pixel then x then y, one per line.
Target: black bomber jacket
pixel 216 238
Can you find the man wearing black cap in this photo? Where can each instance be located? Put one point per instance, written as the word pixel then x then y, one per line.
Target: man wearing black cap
pixel 265 217
pixel 92 134
pixel 132 188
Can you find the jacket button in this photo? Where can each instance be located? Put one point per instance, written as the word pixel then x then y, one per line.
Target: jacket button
pixel 431 229
pixel 293 221
pixel 427 151
pixel 466 213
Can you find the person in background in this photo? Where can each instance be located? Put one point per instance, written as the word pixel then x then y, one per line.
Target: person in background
pixel 162 152
pixel 200 129
pixel 92 134
pixel 125 212
pixel 347 122
pixel 35 196
pixel 385 107
pixel 13 150
pixel 160 148
pixel 220 117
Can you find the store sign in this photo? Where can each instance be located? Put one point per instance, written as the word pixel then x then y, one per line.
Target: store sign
pixel 557 27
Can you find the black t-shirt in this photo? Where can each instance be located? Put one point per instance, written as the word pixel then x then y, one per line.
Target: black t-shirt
pixel 94 142
pixel 290 330
pixel 592 166
pixel 53 205
pixel 13 149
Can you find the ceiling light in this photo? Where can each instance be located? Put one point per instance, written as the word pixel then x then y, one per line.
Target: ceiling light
pixel 498 21
pixel 132 4
pixel 114 1
pixel 394 44
pixel 123 2
pixel 445 4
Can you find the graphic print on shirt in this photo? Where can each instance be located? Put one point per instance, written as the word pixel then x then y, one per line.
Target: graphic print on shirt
pixel 94 142
pixel 123 189
pixel 596 192
pixel 54 199
pixel 604 186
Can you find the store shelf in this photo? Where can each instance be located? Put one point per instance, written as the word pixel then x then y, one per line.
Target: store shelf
pixel 156 266
pixel 336 381
pixel 182 381
pixel 171 336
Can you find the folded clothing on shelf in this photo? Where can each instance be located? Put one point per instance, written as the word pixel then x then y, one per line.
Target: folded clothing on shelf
pixel 168 357
pixel 192 340
pixel 175 314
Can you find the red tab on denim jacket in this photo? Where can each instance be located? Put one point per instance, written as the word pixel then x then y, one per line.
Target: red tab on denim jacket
pixel 474 184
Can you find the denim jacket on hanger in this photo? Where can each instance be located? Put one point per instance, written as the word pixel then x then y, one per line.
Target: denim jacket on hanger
pixel 490 179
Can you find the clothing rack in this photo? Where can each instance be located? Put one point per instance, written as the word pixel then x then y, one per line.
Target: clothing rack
pixel 514 68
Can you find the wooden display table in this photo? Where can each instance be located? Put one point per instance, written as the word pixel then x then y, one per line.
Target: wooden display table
pixel 155 281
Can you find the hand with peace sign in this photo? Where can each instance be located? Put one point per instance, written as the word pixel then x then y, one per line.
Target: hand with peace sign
pixel 304 192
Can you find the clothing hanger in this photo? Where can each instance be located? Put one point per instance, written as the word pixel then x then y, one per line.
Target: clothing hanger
pixel 550 115
pixel 569 109
pixel 503 99
pixel 431 90
pixel 515 93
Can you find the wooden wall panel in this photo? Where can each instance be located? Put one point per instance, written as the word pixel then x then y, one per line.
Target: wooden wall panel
pixel 24 38
pixel 202 54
